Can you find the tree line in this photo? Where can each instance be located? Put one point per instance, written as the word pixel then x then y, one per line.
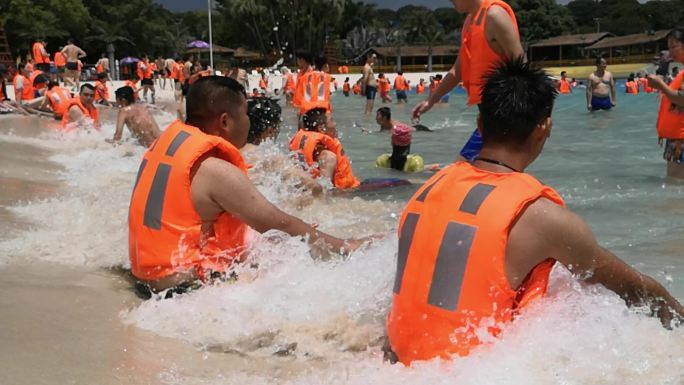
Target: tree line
pixel 280 27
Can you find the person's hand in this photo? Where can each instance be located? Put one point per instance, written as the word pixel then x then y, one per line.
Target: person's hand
pixel 613 104
pixel 660 142
pixel 589 107
pixel 353 244
pixel 113 141
pixel 420 109
pixel 654 81
pixel 677 150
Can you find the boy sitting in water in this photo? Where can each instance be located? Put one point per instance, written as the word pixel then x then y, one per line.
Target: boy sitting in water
pixel 318 147
pixel 136 116
pixel 264 124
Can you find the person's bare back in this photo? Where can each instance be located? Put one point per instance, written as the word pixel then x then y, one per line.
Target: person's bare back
pixel 73 53
pixel 141 123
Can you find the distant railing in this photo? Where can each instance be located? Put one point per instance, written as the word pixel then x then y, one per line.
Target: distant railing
pixel 405 68
pixel 632 59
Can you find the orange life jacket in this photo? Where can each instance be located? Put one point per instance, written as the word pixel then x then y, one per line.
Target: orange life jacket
pixel 38 56
pixel 384 85
pixel 400 83
pixel 153 67
pixel 91 112
pixel 476 57
pixel 299 87
pixel 356 89
pixel 32 79
pixel 145 73
pixel 174 71
pixel 631 87
pixel 3 97
pixel 670 121
pixel 101 91
pixel 60 100
pixel 564 86
pixel 164 229
pixel 290 85
pixel 99 69
pixel 306 143
pixel 262 84
pixel 27 92
pixel 316 92
pixel 60 60
pixel 346 87
pixel 420 89
pixel 433 85
pixel 451 277
pixel 644 85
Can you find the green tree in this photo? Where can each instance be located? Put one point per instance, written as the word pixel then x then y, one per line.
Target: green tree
pixel 540 19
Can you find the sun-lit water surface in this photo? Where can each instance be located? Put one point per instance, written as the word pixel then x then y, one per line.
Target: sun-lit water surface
pixel 320 322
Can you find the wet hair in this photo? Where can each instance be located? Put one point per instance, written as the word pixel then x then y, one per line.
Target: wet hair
pixel 563 73
pixel 515 99
pixel 385 112
pixel 264 113
pixel 125 93
pixel 630 78
pixel 211 96
pixel 346 79
pixel 677 33
pixel 41 79
pixel 52 84
pixel 70 41
pixel 320 62
pixel 381 75
pixel 87 86
pixel 599 59
pixel 314 118
pixel 438 76
pixel 304 55
pixel 101 75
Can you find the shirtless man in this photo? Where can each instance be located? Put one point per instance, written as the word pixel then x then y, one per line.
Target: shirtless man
pixel 72 53
pixel 369 86
pixel 159 73
pixel 136 116
pixel 167 69
pixel 601 91
pixel 104 62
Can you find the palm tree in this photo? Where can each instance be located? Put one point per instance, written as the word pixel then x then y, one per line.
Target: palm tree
pixel 250 9
pixel 109 34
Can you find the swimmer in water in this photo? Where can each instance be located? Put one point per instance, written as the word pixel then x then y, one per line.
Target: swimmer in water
pixel 475 241
pixel 317 147
pixel 264 124
pixel 601 94
pixel 82 108
pixel 136 117
pixel 193 202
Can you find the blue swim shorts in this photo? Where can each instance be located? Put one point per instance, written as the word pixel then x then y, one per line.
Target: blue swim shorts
pixel 401 95
pixel 600 103
pixel 370 92
pixel 669 154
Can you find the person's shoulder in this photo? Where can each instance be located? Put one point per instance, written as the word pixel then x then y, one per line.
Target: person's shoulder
pixel 497 13
pixel 548 216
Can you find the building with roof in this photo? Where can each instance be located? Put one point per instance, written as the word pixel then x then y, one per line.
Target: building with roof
pixel 565 48
pixel 639 46
pixel 416 57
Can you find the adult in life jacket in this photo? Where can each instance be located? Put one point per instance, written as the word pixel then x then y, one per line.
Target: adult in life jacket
pixel 82 107
pixel 41 57
pixel 476 239
pixel 193 202
pixel 564 86
pixel 670 124
pixel 23 88
pixel 101 90
pixel 145 73
pixel 306 65
pixel 57 100
pixel 289 84
pixel 315 87
pixel 317 146
pixel 489 35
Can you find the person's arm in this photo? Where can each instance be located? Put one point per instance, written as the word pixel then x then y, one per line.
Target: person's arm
pixel 120 122
pixel 64 52
pixel 19 96
pixel 613 91
pixel 75 114
pixel 225 185
pixel 675 96
pixel 81 53
pixel 504 32
pixel 327 161
pixel 547 230
pixel 451 80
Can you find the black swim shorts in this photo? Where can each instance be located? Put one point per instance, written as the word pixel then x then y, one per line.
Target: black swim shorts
pixel 669 153
pixel 147 82
pixel 45 67
pixel 72 66
pixel 370 92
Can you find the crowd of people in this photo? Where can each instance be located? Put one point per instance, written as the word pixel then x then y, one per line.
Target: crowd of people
pixel 475 239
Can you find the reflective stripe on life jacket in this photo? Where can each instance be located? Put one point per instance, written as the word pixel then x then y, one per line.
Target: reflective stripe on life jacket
pixel 37 52
pixel 451 284
pixel 564 86
pixel 476 57
pixel 670 118
pixel 60 100
pixel 164 229
pixel 90 112
pixel 27 87
pixel 316 92
pixel 307 143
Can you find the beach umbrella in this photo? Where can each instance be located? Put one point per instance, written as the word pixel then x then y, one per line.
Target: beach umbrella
pixel 198 44
pixel 129 60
